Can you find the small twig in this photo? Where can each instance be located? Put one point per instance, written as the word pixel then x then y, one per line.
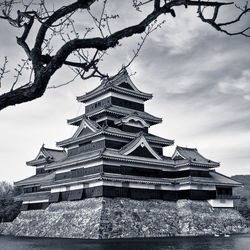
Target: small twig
pixel 3 70
pixel 137 4
pixel 63 84
pixel 96 22
pixel 151 28
pixel 19 72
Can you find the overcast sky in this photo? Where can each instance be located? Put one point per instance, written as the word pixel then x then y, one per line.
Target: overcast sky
pixel 200 80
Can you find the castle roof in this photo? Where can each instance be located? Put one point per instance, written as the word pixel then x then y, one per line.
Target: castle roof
pixel 139 141
pixel 78 120
pixel 33 196
pixel 88 125
pixel 215 180
pixel 106 153
pixel 120 83
pixel 148 136
pixel 184 155
pixel 125 112
pixel 47 155
pixel 36 179
pixel 223 180
pixel 116 155
pixel 76 159
pixel 118 133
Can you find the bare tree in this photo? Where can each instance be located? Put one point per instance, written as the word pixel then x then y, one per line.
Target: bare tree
pixel 82 52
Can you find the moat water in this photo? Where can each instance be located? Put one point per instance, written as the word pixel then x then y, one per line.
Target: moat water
pixel 234 242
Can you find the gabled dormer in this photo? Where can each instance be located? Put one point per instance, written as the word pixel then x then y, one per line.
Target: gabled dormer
pixel 139 147
pixel 125 85
pixel 177 156
pixel 122 80
pixel 86 127
pixel 191 156
pixel 46 156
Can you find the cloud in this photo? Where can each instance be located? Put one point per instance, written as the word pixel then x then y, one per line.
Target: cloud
pixel 183 33
pixel 240 85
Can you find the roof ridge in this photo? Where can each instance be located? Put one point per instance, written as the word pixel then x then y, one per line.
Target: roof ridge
pixel 137 137
pixel 53 149
pixel 113 82
pixel 121 73
pixel 92 122
pixel 186 148
pixel 107 81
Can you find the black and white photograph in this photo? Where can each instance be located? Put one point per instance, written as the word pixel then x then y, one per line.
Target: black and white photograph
pixel 124 125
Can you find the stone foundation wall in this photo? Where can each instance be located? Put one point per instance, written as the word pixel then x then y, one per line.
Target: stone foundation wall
pixel 104 218
pixel 76 219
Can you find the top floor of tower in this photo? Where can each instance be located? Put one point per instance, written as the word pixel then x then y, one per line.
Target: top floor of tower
pixel 119 91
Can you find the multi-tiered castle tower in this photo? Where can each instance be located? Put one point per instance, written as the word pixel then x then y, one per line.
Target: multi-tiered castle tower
pixel 112 154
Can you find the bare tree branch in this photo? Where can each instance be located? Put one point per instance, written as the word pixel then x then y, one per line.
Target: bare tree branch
pixel 63 84
pixel 218 26
pixel 82 53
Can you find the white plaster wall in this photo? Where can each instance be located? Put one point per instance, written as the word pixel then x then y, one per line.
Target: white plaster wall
pixel 58 189
pixel 221 203
pixel 75 187
pixel 37 201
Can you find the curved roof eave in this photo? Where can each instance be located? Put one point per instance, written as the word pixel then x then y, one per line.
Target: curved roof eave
pixel 89 96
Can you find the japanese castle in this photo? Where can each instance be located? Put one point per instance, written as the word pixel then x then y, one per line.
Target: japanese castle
pixel 112 154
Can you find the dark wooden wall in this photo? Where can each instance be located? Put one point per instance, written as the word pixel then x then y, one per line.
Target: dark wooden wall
pixel 128 170
pixel 115 101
